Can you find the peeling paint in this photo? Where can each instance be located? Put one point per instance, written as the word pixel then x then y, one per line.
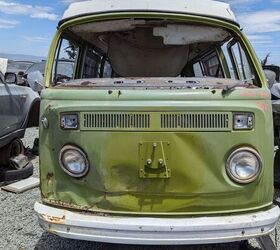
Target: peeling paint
pixel 264 106
pixel 55 220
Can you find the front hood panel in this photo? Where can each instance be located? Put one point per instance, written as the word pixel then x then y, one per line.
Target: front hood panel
pixel 192 178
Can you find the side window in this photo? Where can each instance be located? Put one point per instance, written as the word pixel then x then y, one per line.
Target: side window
pixel 92 64
pixel 66 58
pixel 241 62
pixel 197 70
pixel 212 65
pixel 230 66
pixel 107 70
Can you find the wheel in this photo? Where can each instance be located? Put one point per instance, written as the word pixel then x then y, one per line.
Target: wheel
pixel 7 174
pixel 12 149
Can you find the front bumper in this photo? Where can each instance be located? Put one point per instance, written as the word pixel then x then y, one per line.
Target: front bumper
pixel 156 231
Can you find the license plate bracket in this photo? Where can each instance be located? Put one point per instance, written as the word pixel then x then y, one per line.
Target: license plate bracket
pixel 154 158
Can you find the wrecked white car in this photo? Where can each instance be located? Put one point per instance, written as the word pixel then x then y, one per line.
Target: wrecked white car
pixel 19 109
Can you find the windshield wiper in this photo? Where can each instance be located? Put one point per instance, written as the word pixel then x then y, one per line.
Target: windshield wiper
pixel 229 88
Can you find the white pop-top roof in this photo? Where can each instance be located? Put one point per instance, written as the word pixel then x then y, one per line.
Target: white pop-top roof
pixel 195 7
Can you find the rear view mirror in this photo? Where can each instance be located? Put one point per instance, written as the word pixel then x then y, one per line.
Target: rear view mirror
pixel 36 81
pixel 10 78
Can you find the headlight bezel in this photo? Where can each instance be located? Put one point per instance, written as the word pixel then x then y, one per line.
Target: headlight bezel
pixel 250 124
pixel 63 124
pixel 250 121
pixel 233 177
pixel 66 169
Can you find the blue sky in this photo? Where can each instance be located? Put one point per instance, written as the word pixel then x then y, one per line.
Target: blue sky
pixel 27 26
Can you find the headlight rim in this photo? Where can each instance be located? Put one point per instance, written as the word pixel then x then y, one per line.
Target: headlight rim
pixel 64 114
pixel 249 114
pixel 74 147
pixel 255 176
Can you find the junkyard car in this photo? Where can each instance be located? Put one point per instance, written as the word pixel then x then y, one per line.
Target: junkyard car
pixel 19 109
pixel 164 133
pixel 19 68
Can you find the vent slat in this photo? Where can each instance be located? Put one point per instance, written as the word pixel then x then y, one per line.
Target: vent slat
pixel 115 121
pixel 195 121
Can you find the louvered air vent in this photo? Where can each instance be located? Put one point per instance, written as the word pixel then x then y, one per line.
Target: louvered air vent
pixel 101 121
pixel 196 121
pixel 156 121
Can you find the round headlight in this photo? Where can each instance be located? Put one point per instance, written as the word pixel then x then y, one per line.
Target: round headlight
pixel 73 161
pixel 244 165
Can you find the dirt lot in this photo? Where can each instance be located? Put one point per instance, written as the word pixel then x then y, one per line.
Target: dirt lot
pixel 19 228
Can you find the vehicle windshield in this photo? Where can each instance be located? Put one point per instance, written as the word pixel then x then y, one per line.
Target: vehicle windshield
pixel 64 68
pixel 16 66
pixel 37 67
pixel 132 52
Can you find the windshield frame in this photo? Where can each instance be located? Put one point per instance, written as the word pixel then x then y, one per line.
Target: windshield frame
pixel 177 17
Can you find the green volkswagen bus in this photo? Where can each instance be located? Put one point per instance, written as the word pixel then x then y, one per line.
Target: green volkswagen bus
pixel 161 133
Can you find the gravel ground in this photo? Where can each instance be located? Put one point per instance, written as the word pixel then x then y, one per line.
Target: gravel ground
pixel 19 228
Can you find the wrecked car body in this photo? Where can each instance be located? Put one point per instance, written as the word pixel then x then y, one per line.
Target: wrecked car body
pixel 164 133
pixel 19 109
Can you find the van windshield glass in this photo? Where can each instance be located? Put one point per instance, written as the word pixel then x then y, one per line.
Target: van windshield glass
pixel 132 52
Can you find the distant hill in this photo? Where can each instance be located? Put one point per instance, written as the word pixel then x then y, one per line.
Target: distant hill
pixel 16 57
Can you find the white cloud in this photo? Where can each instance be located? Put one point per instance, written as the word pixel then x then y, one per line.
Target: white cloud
pixel 7 24
pixel 240 1
pixel 259 37
pixel 240 5
pixel 261 21
pixel 259 40
pixel 41 12
pixel 36 39
pixel 71 1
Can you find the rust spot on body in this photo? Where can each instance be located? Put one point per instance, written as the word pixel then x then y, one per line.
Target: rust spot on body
pixel 49 176
pixel 264 95
pixel 249 93
pixel 86 83
pixel 263 106
pixel 55 220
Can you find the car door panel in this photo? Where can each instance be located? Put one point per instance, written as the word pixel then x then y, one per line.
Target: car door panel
pixel 10 109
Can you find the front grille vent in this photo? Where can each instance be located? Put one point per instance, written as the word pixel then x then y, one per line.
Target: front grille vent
pixel 156 121
pixel 195 121
pixel 116 121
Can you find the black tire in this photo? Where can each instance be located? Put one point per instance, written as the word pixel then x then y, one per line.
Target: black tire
pixel 7 174
pixel 14 148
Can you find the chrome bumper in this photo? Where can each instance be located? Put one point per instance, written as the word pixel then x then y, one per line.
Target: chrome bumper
pixel 156 231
